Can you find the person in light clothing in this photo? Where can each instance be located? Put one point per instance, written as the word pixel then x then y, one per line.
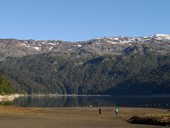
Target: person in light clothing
pixel 116 110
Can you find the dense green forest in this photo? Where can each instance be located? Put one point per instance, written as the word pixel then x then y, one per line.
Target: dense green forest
pixel 5 86
pixel 129 74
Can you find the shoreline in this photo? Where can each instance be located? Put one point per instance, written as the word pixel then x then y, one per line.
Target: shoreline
pixel 10 97
pixel 97 95
pixel 71 95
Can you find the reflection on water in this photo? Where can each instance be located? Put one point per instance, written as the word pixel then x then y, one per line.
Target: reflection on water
pixel 96 101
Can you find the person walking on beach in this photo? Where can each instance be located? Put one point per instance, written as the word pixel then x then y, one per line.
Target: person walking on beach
pixel 100 111
pixel 116 110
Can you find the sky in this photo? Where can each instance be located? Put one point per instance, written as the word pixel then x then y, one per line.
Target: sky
pixel 77 20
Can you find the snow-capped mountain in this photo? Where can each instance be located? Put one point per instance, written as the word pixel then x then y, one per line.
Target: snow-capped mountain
pixel 106 45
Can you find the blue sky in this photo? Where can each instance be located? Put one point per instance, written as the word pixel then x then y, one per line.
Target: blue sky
pixel 74 20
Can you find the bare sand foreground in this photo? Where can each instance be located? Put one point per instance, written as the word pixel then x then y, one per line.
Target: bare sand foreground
pixel 19 117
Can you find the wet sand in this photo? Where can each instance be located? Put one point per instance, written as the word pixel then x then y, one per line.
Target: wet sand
pixel 20 117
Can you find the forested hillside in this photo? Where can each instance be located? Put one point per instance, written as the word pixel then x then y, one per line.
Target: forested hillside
pixel 114 66
pixel 5 86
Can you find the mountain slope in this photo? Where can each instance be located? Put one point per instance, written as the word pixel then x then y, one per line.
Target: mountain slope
pixel 116 66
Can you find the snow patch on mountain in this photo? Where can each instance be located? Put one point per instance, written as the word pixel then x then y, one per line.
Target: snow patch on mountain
pixel 162 36
pixel 37 48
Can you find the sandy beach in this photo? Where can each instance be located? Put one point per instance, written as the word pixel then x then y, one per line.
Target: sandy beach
pixel 20 117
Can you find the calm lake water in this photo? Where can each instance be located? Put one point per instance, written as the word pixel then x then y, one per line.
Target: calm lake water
pixel 96 101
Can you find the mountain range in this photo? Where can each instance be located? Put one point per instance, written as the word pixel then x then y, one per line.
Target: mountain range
pixel 109 65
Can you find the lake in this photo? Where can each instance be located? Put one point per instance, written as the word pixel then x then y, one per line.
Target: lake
pixel 95 101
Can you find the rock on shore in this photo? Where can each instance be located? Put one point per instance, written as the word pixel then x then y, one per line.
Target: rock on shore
pixel 8 97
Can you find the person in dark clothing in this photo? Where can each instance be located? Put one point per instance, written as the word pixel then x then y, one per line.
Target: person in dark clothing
pixel 100 111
